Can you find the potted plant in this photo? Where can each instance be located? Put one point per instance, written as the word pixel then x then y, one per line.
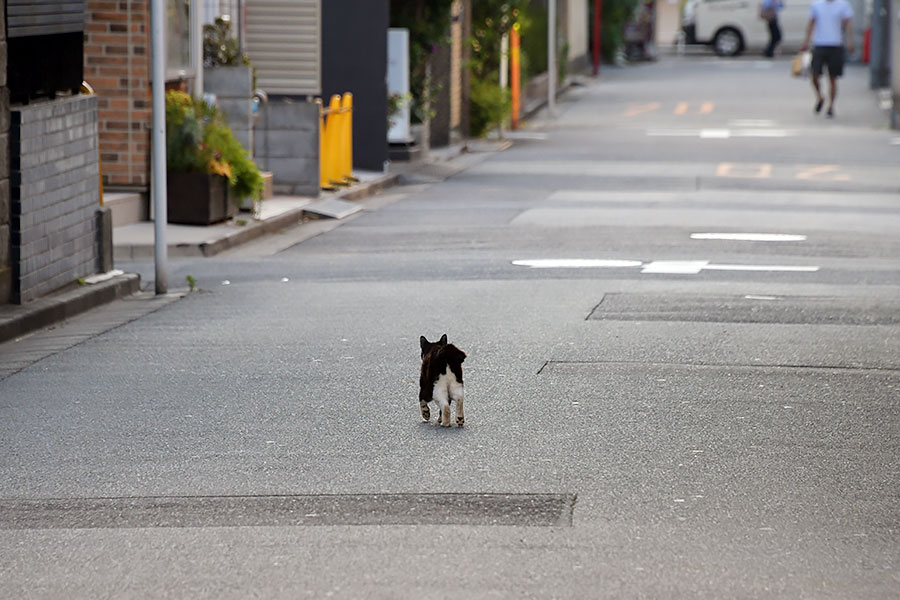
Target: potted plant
pixel 208 170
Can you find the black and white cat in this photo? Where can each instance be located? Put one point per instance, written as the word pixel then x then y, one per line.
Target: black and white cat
pixel 441 380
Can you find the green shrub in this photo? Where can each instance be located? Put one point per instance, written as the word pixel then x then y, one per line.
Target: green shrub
pixel 615 13
pixel 490 105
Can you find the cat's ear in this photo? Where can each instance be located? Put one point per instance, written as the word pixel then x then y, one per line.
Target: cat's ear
pixel 423 343
pixel 443 339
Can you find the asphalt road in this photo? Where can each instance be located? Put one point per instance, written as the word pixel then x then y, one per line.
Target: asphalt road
pixel 655 409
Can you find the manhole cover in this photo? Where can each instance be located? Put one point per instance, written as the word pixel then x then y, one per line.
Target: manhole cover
pixel 528 510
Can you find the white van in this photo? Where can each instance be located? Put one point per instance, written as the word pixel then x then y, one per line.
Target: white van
pixel 732 26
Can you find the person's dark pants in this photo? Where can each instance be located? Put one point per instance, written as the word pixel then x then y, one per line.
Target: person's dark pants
pixel 774 37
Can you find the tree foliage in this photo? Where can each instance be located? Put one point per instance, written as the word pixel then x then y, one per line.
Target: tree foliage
pixel 428 22
pixel 614 15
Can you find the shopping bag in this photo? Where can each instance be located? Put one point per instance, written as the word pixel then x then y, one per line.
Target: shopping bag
pixel 800 64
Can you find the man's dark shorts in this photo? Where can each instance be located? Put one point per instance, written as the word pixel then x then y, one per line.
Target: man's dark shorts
pixel 833 56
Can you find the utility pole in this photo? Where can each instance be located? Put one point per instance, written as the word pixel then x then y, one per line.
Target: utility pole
pixel 551 58
pixel 158 140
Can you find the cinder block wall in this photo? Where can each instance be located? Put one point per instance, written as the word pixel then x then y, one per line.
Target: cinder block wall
pixel 55 192
pixel 117 66
pixel 233 87
pixel 286 142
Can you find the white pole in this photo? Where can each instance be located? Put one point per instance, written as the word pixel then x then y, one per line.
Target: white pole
pixel 158 139
pixel 504 61
pixel 551 58
pixel 197 49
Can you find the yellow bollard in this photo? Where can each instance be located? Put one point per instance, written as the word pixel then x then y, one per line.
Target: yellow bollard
pixel 347 138
pixel 333 142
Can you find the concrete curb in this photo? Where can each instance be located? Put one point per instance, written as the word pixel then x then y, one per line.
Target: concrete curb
pixel 253 229
pixel 287 219
pixel 18 320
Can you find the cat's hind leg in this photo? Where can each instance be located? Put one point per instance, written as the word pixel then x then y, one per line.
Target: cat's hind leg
pixel 457 395
pixel 442 399
pixel 426 413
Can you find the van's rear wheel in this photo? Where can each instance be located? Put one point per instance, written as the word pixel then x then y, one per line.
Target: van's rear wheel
pixel 728 42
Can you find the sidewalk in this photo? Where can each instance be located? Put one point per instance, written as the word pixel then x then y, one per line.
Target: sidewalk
pixel 136 242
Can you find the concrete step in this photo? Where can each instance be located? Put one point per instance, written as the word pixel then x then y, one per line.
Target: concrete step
pixel 126 208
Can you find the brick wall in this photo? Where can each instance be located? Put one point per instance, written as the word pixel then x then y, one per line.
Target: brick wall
pixel 117 66
pixel 54 194
pixel 5 265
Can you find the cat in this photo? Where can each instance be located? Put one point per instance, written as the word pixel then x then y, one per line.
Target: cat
pixel 441 380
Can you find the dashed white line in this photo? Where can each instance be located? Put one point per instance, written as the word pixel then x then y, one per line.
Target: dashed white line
pixel 675 267
pixel 750 237
pixel 706 134
pixel 782 268
pixel 720 134
pixel 669 267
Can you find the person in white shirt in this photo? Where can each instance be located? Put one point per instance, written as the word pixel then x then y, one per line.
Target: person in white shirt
pixel 830 25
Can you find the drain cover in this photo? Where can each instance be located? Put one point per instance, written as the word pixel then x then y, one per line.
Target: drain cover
pixel 527 510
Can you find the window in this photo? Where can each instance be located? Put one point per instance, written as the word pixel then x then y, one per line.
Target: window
pixel 179 63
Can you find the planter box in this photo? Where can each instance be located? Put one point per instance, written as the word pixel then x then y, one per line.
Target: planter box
pixel 197 198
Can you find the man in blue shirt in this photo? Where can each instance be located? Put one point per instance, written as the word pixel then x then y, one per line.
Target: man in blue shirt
pixel 768 11
pixel 830 25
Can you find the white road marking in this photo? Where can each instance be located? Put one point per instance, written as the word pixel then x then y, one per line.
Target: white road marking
pixel 750 237
pixel 782 268
pixel 681 267
pixel 753 297
pixel 895 142
pixel 576 263
pixel 669 267
pixel 720 134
